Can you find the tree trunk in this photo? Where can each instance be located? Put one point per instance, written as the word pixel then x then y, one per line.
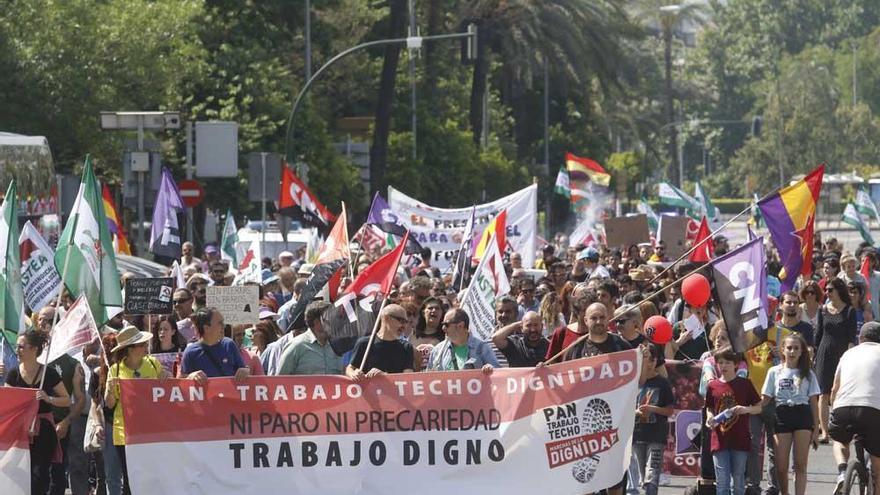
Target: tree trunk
pixel 672 171
pixel 479 82
pixel 433 52
pixel 382 126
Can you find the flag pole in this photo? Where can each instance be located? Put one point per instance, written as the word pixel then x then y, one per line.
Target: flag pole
pixel 75 220
pixel 55 315
pixel 697 245
pixel 627 309
pixel 384 302
pixel 373 333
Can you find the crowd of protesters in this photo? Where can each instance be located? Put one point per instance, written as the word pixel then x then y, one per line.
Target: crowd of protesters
pixel 575 302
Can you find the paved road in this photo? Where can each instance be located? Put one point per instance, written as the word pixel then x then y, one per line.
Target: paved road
pixel 821 475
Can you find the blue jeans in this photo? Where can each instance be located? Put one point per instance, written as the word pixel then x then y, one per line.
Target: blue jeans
pixel 730 464
pixel 650 464
pixel 112 466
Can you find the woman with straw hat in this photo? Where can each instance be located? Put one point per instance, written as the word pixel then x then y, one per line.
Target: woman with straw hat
pixel 132 361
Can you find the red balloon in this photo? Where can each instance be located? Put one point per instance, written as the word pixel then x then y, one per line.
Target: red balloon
pixel 658 330
pixel 695 290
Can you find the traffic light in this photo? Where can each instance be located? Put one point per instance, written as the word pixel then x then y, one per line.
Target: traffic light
pixel 756 126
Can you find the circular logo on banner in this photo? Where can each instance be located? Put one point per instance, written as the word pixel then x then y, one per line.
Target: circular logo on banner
pixel 595 419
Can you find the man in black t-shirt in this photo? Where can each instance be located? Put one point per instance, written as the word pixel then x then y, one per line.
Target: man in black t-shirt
pixel 388 354
pixel 522 343
pixel 655 403
pixel 599 340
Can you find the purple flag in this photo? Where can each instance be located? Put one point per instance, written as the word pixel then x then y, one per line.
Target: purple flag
pixel 381 215
pixel 462 268
pixel 741 290
pixel 165 234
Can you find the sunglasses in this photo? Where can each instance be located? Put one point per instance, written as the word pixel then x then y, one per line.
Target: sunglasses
pixel 137 374
pixel 446 324
pixel 181 301
pixel 398 318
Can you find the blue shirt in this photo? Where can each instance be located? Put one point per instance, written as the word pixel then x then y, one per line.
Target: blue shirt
pixel 225 353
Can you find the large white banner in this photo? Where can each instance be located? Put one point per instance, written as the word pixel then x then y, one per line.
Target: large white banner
pixel 441 229
pixel 562 429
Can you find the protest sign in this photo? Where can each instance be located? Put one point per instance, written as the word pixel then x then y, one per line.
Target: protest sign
pixel 489 282
pixel 39 278
pixel 562 429
pixel 673 232
pixel 17 411
pixel 239 305
pixel 626 231
pixel 681 457
pixel 441 229
pixel 149 296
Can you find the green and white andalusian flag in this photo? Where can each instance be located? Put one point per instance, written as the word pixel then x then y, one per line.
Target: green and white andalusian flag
pixel 713 216
pixel 653 219
pixel 227 243
pixel 84 256
pixel 675 197
pixel 851 216
pixel 563 184
pixel 866 206
pixel 12 302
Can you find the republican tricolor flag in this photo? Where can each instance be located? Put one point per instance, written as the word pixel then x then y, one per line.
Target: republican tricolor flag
pixel 790 213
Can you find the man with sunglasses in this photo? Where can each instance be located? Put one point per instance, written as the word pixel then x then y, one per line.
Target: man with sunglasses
pixel 460 350
pixel 183 309
pixel 523 343
pixel 388 353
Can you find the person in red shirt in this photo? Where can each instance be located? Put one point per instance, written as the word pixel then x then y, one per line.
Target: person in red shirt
pixel 565 335
pixel 728 399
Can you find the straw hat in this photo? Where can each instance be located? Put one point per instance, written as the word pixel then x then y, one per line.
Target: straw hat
pixel 641 274
pixel 129 336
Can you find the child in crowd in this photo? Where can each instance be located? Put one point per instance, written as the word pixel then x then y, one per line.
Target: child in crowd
pixel 796 390
pixel 654 408
pixel 728 399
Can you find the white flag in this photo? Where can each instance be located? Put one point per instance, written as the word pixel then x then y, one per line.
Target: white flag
pixel 39 278
pixel 74 331
pixel 489 282
pixel 177 275
pixel 251 268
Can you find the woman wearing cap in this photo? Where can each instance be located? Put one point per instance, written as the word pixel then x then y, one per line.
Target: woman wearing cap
pixel 44 447
pixel 132 362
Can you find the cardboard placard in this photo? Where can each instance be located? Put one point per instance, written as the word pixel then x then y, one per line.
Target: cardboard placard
pixel 673 232
pixel 239 304
pixel 149 296
pixel 626 231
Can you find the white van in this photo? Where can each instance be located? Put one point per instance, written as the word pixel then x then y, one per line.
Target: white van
pixel 297 237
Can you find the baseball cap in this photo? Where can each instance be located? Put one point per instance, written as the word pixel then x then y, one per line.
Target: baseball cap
pixel 211 249
pixel 589 254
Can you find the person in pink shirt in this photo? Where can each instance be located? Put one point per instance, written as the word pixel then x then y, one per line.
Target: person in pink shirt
pixel 250 358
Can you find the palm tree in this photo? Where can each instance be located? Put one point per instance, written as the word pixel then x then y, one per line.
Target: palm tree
pixel 581 41
pixel 661 14
pixel 382 125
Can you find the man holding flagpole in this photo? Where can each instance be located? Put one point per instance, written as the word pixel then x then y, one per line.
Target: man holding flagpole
pixel 387 354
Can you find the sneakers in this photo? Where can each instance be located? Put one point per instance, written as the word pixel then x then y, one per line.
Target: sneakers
pixel 838 486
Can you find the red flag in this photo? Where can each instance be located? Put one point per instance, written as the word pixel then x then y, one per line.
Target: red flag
pixel 298 202
pixel 866 272
pixel 706 250
pixel 379 276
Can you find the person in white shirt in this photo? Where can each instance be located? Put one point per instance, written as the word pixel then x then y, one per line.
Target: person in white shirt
pixel 855 400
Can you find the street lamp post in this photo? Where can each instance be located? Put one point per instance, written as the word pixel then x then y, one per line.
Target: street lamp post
pixel 412 42
pixel 140 121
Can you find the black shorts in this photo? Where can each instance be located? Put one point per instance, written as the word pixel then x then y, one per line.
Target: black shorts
pixel 846 422
pixel 793 418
